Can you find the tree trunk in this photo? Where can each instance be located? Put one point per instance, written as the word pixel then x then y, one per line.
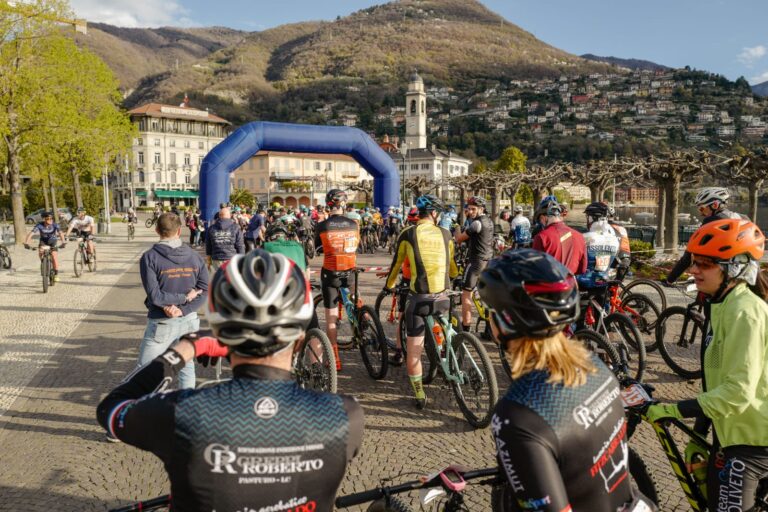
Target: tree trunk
pixel 594 192
pixel 494 202
pixel 462 200
pixel 673 195
pixel 754 192
pixel 53 196
pixel 47 199
pixel 76 187
pixel 660 215
pixel 13 159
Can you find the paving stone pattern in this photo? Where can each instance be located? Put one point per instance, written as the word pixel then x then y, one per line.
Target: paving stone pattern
pixel 56 363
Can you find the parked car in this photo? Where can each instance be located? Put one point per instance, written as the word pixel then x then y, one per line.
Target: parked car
pixel 65 215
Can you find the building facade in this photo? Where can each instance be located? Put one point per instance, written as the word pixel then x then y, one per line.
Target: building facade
pixel 164 163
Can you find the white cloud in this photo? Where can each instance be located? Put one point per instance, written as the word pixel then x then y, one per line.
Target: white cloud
pixel 749 56
pixel 134 13
pixel 759 78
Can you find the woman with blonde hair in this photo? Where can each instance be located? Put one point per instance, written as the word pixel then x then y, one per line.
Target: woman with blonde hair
pixel 560 430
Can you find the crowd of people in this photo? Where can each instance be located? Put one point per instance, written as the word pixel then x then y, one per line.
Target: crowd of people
pixel 220 442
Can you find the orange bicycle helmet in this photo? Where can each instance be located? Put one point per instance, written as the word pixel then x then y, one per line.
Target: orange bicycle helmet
pixel 725 239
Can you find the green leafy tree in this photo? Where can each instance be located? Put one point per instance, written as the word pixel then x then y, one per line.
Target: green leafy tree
pixel 241 196
pixel 511 161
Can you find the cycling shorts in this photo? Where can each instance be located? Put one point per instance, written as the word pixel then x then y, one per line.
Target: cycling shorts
pixel 733 476
pixel 472 273
pixel 83 234
pixel 421 305
pixel 330 282
pixel 51 242
pixel 403 294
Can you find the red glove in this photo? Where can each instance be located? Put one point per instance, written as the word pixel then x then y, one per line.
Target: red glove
pixel 208 350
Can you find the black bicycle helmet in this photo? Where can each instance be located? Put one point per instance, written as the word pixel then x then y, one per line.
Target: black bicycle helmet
pixel 429 203
pixel 276 230
pixel 476 201
pixel 549 207
pixel 259 303
pixel 335 197
pixel 531 294
pixel 597 210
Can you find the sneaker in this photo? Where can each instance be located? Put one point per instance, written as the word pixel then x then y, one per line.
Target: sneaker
pixel 421 403
pixel 56 278
pixel 397 358
pixel 112 439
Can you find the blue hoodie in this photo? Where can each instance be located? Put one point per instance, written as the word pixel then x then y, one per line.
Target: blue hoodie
pixel 168 273
pixel 224 240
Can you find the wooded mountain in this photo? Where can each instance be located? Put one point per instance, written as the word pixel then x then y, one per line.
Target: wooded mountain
pixel 761 89
pixel 638 64
pixel 447 41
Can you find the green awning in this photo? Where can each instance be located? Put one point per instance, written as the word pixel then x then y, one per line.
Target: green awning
pixel 176 194
pixel 141 193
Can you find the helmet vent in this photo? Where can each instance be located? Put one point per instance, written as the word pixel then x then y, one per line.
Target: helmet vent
pixel 272 310
pixel 725 248
pixel 724 227
pixel 706 238
pixel 249 312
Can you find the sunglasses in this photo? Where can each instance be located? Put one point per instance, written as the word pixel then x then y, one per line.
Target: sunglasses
pixel 704 264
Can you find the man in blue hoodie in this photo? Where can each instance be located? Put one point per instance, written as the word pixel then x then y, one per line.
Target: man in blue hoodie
pixel 224 240
pixel 175 279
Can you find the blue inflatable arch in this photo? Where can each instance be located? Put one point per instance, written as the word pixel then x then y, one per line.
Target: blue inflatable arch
pixel 248 140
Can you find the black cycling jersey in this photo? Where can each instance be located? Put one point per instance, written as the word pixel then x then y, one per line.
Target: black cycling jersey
pixel 480 231
pixel 564 448
pixel 256 442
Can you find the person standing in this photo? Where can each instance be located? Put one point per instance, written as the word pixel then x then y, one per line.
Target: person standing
pixel 224 239
pixel 254 233
pixel 566 245
pixel 520 229
pixel 174 278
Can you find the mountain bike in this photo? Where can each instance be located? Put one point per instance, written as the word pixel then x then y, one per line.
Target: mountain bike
pixel 637 398
pixel 314 364
pixel 462 362
pixel 647 287
pixel 365 332
pixel 5 257
pixel 680 334
pixel 638 307
pixel 617 328
pixel 46 265
pixel 82 258
pixel 448 483
pixel 151 221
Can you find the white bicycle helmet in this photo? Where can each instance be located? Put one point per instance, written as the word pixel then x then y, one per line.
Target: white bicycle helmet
pixel 259 303
pixel 709 195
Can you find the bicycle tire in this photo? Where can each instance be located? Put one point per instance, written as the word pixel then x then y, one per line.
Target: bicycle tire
pixel 630 337
pixel 431 364
pixel 391 504
pixel 370 338
pixel 677 340
pixel 79 262
pixel 645 315
pixel 596 343
pixel 149 223
pixel 461 342
pixel 131 232
pixel 502 498
pixel 636 283
pixel 321 374
pixel 309 249
pixel 383 294
pixel 641 477
pixel 45 270
pixel 5 258
pixel 92 261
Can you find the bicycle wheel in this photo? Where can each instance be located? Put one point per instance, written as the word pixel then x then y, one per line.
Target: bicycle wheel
pixel 5 258
pixel 478 394
pixel 310 248
pixel 645 315
pixel 430 359
pixel 389 323
pixel 45 270
pixel 79 262
pixel 641 477
pixel 372 344
pixel 92 261
pixel 646 287
pixel 149 223
pixel 595 342
pixel 391 504
pixel 623 333
pixel 314 364
pixel 131 231
pixel 679 336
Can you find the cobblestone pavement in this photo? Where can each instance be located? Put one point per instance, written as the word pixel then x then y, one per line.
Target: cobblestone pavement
pixel 54 371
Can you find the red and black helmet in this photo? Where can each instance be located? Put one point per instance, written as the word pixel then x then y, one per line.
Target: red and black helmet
pixel 335 197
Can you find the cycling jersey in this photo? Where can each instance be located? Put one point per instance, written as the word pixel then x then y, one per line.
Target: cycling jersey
pixel 602 246
pixel 564 448
pixel 480 231
pixel 520 229
pixel 566 245
pixel 81 224
pixel 377 218
pixel 291 249
pixel 447 219
pixel 256 442
pixel 339 237
pixel 49 234
pixel 621 232
pixel 429 250
pixel 354 216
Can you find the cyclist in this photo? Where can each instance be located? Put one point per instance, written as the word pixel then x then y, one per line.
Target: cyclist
pixel 502 224
pixel 429 250
pixel 712 205
pixel 560 430
pixel 725 256
pixel 254 233
pixel 624 256
pixel 520 229
pixel 131 214
pixel 352 214
pixel 258 441
pixel 50 234
pixel 339 237
pixel 448 218
pixel 277 242
pixel 366 223
pixel 602 247
pixel 479 235
pixel 394 223
pixel 82 225
pixel 556 239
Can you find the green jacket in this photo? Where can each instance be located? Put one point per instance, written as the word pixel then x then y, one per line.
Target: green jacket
pixel 736 369
pixel 291 249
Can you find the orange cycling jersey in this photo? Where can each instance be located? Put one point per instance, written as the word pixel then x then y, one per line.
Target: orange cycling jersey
pixel 339 237
pixel 621 232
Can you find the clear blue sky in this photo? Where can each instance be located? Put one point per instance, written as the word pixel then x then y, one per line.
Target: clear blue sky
pixel 724 36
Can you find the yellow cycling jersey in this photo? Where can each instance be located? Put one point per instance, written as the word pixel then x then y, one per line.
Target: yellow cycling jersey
pixel 377 218
pixel 429 249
